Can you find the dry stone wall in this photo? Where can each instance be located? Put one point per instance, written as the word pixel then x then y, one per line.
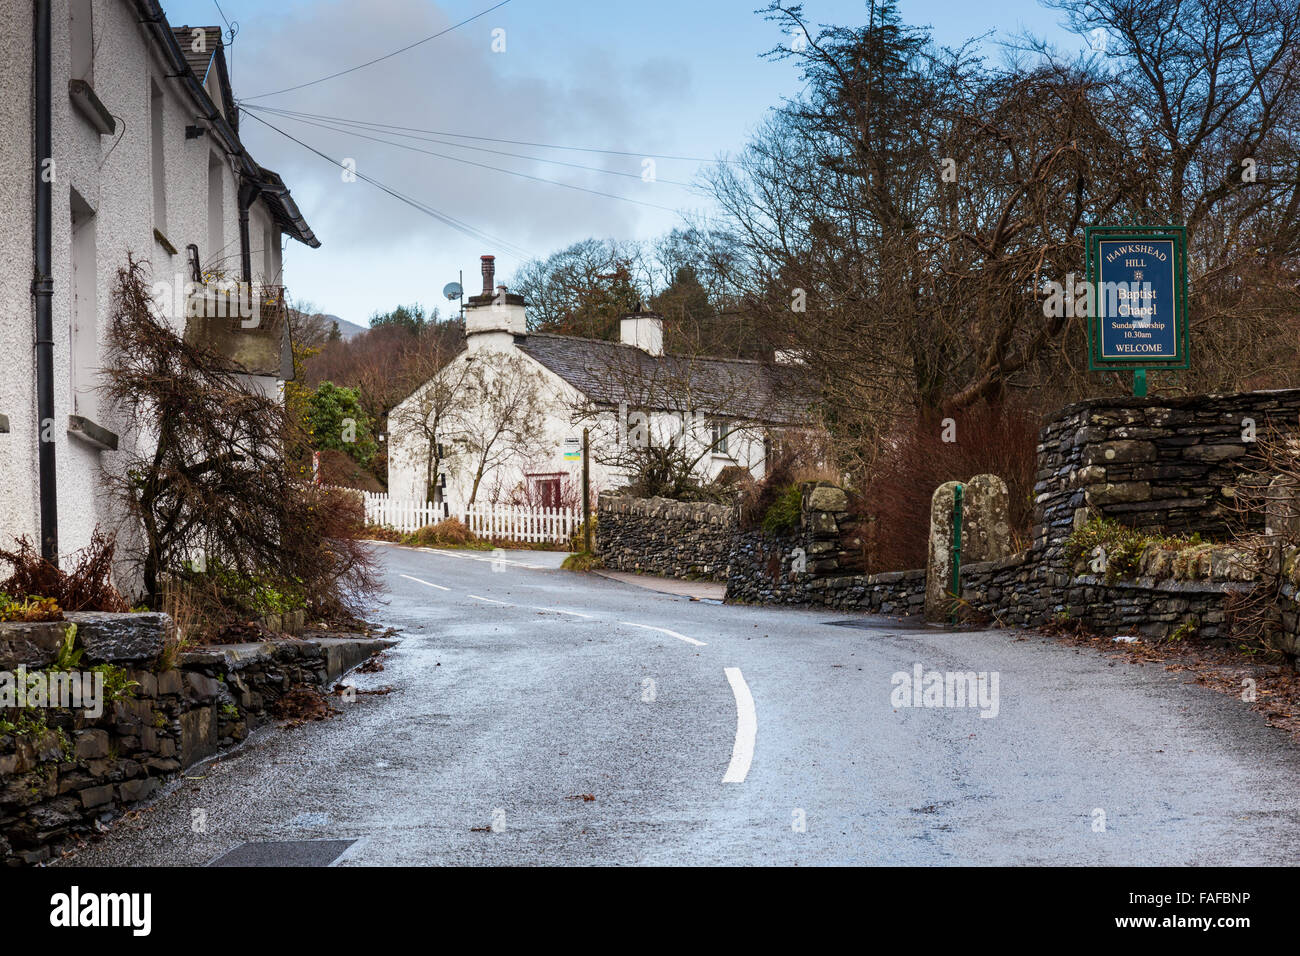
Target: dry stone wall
pixel 62 772
pixel 676 539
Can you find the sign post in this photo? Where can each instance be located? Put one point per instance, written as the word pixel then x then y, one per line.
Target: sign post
pixel 586 494
pixel 1137 321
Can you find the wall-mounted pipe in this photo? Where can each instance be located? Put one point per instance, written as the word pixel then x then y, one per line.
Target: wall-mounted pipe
pixel 248 193
pixel 43 277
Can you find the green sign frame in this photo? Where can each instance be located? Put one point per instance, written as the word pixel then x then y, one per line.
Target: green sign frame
pixel 1094 236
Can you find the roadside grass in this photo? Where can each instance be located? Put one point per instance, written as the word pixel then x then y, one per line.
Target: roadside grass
pixel 582 561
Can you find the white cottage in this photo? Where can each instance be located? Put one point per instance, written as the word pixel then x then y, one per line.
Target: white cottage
pixel 120 136
pixel 534 393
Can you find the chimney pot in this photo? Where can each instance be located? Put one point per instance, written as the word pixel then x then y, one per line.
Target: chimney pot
pixel 489 273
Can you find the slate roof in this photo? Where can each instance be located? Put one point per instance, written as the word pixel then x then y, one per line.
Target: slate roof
pixel 199 61
pixel 609 373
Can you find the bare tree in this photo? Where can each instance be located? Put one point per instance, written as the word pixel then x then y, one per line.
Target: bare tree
pixel 498 413
pixel 432 412
pixel 898 223
pixel 205 476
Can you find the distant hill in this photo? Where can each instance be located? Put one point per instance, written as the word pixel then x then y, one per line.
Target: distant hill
pixel 347 329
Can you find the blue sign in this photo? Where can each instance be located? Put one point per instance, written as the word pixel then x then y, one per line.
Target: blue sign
pixel 1138 280
pixel 1135 299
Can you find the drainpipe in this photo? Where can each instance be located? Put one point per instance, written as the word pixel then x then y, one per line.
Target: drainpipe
pixel 248 192
pixel 43 281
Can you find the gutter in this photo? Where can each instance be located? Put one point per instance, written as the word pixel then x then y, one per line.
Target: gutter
pixel 43 278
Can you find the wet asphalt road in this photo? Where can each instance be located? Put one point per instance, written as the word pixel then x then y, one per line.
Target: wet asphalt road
pixel 503 715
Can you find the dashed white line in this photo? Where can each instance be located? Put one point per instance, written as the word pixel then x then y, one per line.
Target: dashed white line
pixel 558 610
pixel 664 630
pixel 475 557
pixel 742 752
pixel 422 581
pixel 492 601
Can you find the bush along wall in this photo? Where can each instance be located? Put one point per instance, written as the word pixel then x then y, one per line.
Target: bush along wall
pixel 64 771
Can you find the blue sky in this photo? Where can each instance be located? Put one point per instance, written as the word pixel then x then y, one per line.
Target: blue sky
pixel 679 77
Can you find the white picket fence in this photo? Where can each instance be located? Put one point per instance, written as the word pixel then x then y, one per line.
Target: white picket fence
pixel 495 522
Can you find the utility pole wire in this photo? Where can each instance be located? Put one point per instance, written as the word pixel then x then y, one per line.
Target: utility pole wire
pixel 489 139
pixel 302 118
pixel 508 172
pixel 379 59
pixel 428 210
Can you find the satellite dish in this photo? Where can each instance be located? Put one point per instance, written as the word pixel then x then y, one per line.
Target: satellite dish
pixel 452 290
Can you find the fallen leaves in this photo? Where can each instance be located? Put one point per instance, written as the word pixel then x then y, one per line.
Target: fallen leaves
pixel 301 704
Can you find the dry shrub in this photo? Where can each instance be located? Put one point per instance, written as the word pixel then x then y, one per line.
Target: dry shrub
pixel 449 531
pixel 188 622
pixel 990 439
pixel 87 587
pixel 332 565
pixel 216 479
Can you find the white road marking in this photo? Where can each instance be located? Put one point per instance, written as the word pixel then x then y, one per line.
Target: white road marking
pixel 474 557
pixel 429 583
pixel 664 630
pixel 556 610
pixel 742 752
pixel 491 601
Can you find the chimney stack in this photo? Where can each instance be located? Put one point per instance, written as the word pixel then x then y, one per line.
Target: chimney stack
pixel 643 330
pixel 496 319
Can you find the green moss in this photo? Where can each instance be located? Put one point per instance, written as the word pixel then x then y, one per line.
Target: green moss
pixel 1123 548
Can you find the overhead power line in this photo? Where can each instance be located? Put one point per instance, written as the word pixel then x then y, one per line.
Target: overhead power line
pixel 493 139
pixel 452 221
pixel 319 121
pixel 386 56
pixel 508 172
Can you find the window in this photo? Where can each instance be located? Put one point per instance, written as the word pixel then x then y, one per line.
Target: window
pixel 216 213
pixel 159 169
pixel 83 325
pixel 720 430
pixel 545 490
pixel 82 36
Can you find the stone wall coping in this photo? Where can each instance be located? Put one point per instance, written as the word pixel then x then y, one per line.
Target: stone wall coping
pixel 1168 585
pixel 665 508
pixel 892 577
pixel 1182 401
pixel 235 657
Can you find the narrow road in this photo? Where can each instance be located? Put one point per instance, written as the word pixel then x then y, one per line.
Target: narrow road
pixel 710 734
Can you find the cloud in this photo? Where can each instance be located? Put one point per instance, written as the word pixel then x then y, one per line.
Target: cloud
pixel 455 83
